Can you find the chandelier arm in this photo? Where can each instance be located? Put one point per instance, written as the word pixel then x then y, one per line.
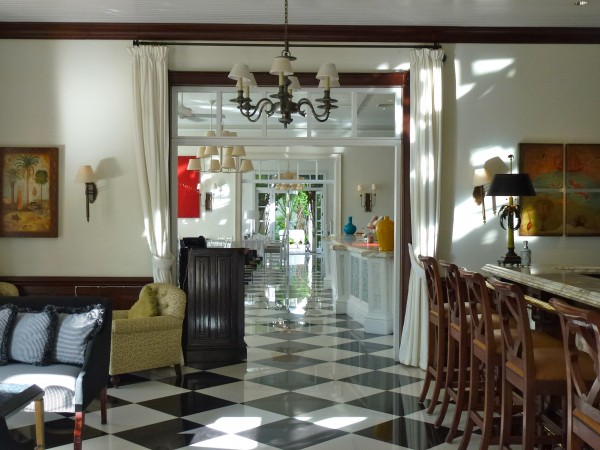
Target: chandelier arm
pixel 254 112
pixel 319 117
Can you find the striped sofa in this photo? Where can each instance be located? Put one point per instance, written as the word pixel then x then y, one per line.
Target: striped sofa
pixel 70 385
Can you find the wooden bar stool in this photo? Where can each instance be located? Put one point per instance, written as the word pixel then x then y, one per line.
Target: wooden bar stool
pixel 528 373
pixel 459 349
pixel 581 326
pixel 437 332
pixel 485 364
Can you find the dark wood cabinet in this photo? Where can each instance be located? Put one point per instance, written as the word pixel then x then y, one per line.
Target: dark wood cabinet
pixel 214 324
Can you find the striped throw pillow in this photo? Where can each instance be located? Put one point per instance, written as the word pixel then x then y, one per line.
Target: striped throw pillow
pixel 8 313
pixel 33 336
pixel 76 326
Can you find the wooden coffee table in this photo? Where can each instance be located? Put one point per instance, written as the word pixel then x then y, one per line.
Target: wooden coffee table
pixel 13 398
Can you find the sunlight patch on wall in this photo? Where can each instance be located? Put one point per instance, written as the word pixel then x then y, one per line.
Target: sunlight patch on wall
pixel 480 155
pixel 488 66
pixel 461 89
pixel 467 218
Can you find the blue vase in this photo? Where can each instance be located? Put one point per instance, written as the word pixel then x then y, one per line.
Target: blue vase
pixel 349 228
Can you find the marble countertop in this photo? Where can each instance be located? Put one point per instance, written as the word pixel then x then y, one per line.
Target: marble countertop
pixel 568 281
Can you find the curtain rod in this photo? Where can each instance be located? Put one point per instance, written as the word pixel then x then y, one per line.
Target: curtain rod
pixel 244 44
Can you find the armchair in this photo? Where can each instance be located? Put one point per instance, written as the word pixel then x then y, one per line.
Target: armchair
pixel 149 342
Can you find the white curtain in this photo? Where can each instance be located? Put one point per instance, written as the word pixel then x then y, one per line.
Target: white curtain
pixel 151 116
pixel 425 153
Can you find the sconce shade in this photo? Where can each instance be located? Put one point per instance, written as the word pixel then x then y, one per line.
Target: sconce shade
pixel 515 184
pixel 481 177
pixel 86 174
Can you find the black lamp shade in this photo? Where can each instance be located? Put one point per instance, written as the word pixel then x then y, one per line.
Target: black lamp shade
pixel 511 184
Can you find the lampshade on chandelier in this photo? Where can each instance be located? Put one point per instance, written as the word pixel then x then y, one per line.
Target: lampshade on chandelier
pixel 212 158
pixel 288 181
pixel 284 103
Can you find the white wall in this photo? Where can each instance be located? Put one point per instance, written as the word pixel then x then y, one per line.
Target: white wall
pixel 77 95
pixel 495 97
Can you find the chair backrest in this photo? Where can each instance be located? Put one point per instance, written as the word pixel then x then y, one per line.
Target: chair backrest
pixel 481 309
pixel 171 300
pixel 581 335
pixel 8 289
pixel 517 347
pixel 435 291
pixel 455 295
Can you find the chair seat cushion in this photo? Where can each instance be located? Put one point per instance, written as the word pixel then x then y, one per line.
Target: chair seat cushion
pixel 57 380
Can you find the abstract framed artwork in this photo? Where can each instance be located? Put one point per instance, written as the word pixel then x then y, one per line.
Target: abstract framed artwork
pixel 188 196
pixel 542 215
pixel 29 191
pixel 567 183
pixel 582 174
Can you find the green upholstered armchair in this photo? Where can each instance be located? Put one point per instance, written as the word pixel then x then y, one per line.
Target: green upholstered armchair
pixel 8 290
pixel 149 342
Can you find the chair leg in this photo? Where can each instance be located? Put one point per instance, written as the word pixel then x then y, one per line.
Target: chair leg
pixel 448 385
pixel 439 367
pixel 77 435
pixel 474 380
pixel 430 359
pixel 461 390
pixel 103 403
pixel 177 370
pixel 114 380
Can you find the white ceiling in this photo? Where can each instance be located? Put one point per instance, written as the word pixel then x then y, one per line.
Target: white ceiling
pixel 484 13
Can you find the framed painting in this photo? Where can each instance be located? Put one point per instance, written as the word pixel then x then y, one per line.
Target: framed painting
pixel 29 191
pixel 188 195
pixel 542 215
pixel 582 173
pixel 544 164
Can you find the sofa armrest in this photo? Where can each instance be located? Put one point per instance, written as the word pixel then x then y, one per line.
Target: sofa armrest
pixel 120 314
pixel 94 372
pixel 144 324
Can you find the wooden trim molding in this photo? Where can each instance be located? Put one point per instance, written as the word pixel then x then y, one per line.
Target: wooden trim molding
pixel 123 291
pixel 298 33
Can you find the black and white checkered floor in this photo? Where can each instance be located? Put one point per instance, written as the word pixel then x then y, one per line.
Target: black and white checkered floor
pixel 313 380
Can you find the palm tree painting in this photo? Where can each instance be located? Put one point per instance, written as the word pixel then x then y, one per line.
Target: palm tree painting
pixel 29 192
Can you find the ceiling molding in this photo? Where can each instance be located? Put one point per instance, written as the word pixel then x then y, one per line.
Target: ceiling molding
pixel 298 33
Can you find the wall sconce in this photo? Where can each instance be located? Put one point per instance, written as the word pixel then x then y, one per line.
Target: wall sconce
pixel 481 178
pixel 208 199
pixel 369 197
pixel 86 175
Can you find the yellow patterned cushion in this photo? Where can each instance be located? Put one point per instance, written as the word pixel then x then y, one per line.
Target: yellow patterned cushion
pixel 147 304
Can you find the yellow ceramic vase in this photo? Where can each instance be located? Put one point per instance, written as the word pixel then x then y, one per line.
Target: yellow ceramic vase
pixel 385 234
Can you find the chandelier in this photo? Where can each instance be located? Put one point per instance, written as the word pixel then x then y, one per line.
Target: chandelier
pixel 213 159
pixel 283 102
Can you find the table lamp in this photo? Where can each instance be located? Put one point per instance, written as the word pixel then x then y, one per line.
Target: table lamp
pixel 511 184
